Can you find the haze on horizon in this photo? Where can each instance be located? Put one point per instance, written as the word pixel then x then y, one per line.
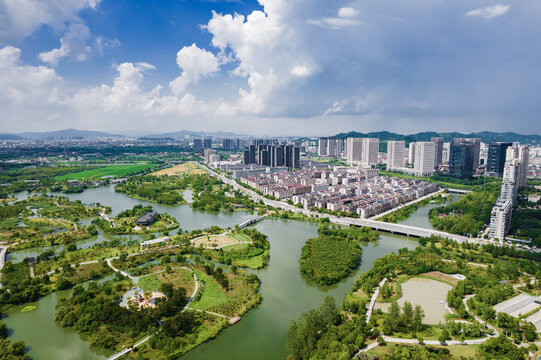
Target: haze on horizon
pixel 273 67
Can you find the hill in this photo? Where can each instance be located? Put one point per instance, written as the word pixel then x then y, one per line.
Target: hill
pixel 485 136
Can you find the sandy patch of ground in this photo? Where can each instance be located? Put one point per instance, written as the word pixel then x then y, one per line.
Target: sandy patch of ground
pixel 180 169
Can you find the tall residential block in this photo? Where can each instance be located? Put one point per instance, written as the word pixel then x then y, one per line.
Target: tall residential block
pixel 425 152
pixel 354 147
pixel 332 147
pixel 207 143
pixel 496 158
pixel 411 153
pixel 370 151
pixel 395 155
pixel 197 144
pixel 439 150
pixel 228 144
pixel 208 154
pixel 514 176
pixel 323 145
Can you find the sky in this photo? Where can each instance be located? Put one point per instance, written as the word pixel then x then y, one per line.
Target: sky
pixel 270 67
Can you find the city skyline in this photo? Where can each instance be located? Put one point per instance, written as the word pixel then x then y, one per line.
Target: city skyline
pixel 124 66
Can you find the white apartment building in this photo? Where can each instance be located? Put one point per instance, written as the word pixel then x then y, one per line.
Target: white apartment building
pixel 354 150
pixel 411 153
pixel 370 151
pixel 395 155
pixel 423 164
pixel 515 173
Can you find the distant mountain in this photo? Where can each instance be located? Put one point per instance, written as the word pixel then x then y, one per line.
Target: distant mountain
pixel 60 135
pixel 10 137
pixel 183 133
pixel 485 136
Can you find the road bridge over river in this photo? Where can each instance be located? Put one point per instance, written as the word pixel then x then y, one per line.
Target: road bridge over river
pixel 398 229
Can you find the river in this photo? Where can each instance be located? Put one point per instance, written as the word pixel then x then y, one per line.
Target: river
pixel 261 332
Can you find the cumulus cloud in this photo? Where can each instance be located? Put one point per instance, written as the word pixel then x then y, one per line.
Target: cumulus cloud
pixel 489 12
pixel 347 12
pixel 427 71
pixel 74 43
pixel 195 63
pixel 20 18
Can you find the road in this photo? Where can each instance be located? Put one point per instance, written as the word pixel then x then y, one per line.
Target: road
pixel 374 224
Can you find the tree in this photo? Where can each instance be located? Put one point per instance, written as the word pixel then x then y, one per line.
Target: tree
pixel 394 316
pixel 443 337
pixel 418 316
pixel 407 315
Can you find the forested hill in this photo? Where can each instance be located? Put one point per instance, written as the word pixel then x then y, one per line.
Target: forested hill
pixel 486 136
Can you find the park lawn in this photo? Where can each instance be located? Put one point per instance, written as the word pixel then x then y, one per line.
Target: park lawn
pixel 466 351
pixel 236 247
pixel 255 262
pixel 178 278
pixel 213 294
pixel 149 283
pixel 241 238
pixel 109 170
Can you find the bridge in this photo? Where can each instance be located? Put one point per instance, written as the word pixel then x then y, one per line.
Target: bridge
pixel 398 229
pixel 458 191
pixel 251 221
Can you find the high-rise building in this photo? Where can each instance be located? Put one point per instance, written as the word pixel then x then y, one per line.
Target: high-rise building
pixel 277 155
pixel 496 158
pixel 439 150
pixel 340 147
pixel 461 159
pixel 323 146
pixel 296 157
pixel 208 153
pixel 197 144
pixel 445 153
pixel 370 151
pixel 228 144
pixel 331 150
pixel 476 148
pixel 513 179
pixel 424 158
pixel 395 155
pixel 354 149
pixel 411 153
pixel 207 143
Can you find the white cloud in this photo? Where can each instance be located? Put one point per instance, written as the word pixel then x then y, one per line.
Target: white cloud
pixel 489 12
pixel 195 63
pixel 20 18
pixel 74 43
pixel 347 12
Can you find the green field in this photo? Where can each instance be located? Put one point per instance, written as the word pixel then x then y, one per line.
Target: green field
pixel 241 238
pixel 109 170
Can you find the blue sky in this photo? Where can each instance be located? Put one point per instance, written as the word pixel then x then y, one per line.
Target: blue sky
pixel 273 67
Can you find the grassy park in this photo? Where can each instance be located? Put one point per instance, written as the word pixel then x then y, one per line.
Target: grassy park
pixel 107 171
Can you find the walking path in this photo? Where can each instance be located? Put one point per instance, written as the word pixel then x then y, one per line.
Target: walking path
pixel 373 300
pixel 3 254
pixel 194 293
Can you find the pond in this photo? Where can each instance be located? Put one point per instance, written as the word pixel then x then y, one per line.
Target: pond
pixel 429 294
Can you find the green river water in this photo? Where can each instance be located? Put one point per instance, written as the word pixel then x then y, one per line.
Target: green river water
pixel 261 332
